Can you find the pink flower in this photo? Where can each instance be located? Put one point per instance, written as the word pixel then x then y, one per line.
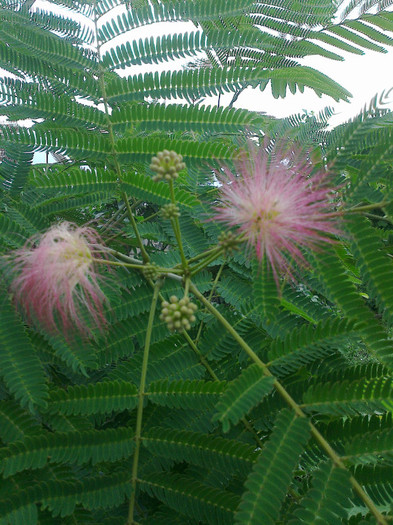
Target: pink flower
pixel 56 284
pixel 278 207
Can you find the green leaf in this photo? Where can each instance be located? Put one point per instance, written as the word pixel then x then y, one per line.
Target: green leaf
pixel 171 11
pixel 241 395
pixel 328 498
pixel 98 398
pixel 345 397
pixel 61 497
pixel 21 369
pixel 144 187
pixel 44 105
pixel 208 82
pixel 143 116
pixel 13 235
pixel 309 342
pixel 76 448
pixel 196 394
pixel 375 266
pixel 267 485
pixel 15 166
pixel 78 356
pixel 144 148
pixel 192 498
pixel 339 286
pixel 354 38
pixel 370 447
pixel 208 451
pixel 16 423
pixel 73 180
pixel 265 292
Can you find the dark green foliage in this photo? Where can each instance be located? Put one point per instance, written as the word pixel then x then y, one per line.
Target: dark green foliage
pixel 61 497
pixel 268 483
pixel 375 266
pixel 327 499
pixel 14 168
pixel 21 369
pixel 198 395
pixel 242 395
pixel 144 117
pixel 192 498
pixel 99 398
pixel 344 397
pixel 265 294
pixel 16 423
pixel 72 447
pixel 223 455
pixel 208 82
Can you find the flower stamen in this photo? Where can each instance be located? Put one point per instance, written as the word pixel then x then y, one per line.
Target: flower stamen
pixel 278 206
pixel 55 283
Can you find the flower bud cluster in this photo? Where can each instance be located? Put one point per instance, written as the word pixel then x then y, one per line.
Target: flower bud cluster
pixel 167 165
pixel 178 315
pixel 150 271
pixel 228 241
pixel 170 211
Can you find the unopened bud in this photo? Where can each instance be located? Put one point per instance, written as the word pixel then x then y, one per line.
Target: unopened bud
pixel 150 271
pixel 178 314
pixel 170 211
pixel 167 165
pixel 228 241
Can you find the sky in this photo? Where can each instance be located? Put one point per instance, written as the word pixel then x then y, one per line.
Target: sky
pixel 363 76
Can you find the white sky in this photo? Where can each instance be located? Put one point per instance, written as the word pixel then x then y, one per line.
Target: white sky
pixel 363 76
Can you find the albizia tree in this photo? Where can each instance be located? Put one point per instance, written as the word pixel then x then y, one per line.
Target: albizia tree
pixel 196 301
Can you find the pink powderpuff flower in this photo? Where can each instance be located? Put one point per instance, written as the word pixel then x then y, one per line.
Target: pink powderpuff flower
pixel 56 284
pixel 278 206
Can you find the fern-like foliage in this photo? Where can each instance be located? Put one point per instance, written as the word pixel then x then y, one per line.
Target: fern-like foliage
pixel 327 498
pixel 243 394
pixel 275 406
pixel 268 483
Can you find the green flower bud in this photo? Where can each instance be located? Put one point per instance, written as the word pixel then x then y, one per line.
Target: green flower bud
pixel 178 314
pixel 167 165
pixel 150 271
pixel 170 211
pixel 228 241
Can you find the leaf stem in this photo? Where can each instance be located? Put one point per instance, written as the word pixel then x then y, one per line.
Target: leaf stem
pixel 141 394
pixel 378 217
pixel 124 257
pixel 118 263
pixel 138 265
pixel 204 254
pixel 101 81
pixel 205 363
pixel 201 357
pixel 357 209
pixel 145 255
pixel 366 207
pixel 206 262
pixel 215 282
pixel 176 228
